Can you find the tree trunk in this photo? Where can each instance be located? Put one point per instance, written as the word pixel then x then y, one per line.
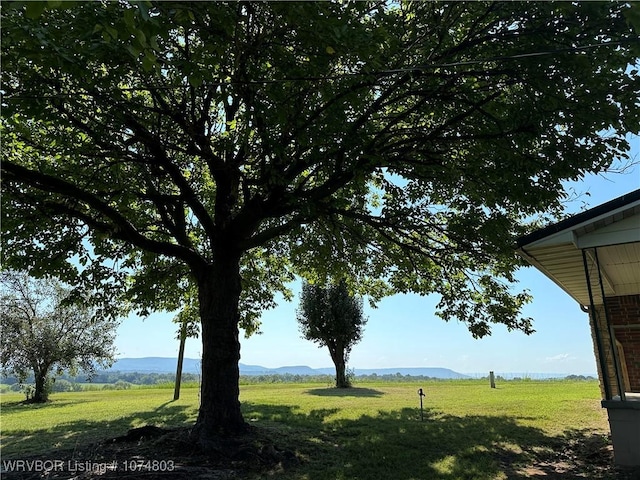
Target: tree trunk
pixel 41 393
pixel 219 294
pixel 341 368
pixel 183 339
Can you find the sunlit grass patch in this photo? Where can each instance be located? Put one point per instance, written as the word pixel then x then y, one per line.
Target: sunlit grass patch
pixel 469 430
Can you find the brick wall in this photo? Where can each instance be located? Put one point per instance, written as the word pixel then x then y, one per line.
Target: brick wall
pixel 624 316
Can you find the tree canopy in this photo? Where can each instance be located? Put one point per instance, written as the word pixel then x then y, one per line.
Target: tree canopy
pixel 44 333
pixel 233 145
pixel 332 317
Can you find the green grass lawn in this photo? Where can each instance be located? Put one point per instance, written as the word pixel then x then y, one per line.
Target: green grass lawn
pixel 369 432
pixel 81 417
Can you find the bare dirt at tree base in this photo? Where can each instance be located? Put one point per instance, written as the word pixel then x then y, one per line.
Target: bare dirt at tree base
pixel 577 456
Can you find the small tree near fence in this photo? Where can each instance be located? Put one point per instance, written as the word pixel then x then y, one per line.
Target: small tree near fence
pixel 188 319
pixel 330 316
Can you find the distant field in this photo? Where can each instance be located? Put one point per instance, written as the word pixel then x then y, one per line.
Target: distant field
pixel 372 431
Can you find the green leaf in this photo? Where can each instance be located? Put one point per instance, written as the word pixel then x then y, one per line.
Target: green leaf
pixel 129 20
pixel 144 10
pixel 141 38
pixel 195 80
pixel 632 15
pixel 148 62
pixel 134 51
pixel 111 31
pixel 35 9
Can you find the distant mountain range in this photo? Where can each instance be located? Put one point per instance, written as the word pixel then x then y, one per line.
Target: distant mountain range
pixel 192 365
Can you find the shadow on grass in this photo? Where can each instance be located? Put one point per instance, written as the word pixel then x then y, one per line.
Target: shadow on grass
pixel 345 392
pixel 79 433
pixel 388 445
pixel 398 445
pixel 9 407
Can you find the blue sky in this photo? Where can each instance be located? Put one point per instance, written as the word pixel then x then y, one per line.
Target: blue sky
pixel 404 332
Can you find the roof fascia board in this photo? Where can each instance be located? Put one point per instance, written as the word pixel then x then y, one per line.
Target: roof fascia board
pixel 629 200
pixel 566 235
pixel 623 231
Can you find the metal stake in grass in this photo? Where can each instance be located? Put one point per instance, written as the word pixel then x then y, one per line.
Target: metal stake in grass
pixel 421 394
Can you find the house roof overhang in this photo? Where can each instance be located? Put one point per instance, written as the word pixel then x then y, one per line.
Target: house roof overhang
pixel 613 229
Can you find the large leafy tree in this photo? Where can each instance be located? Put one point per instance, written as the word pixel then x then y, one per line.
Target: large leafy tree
pixel 332 317
pixel 45 331
pixel 231 145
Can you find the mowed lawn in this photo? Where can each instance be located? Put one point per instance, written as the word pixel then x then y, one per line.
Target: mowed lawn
pixel 372 431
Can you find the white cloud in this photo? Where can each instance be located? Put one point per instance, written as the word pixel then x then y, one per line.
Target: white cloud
pixel 559 358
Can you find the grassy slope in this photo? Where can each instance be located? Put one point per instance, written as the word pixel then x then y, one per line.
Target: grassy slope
pixel 374 431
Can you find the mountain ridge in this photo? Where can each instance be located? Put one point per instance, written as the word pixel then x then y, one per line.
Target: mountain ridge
pixel 192 365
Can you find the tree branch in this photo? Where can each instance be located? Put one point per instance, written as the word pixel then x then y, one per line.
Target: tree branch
pixel 118 228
